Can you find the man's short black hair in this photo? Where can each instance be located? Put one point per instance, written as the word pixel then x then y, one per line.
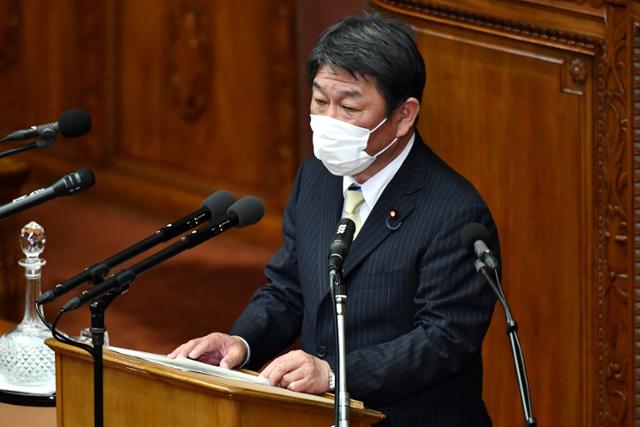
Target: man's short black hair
pixel 371 45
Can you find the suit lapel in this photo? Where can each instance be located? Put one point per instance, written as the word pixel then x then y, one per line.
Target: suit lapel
pixel 330 200
pixel 397 196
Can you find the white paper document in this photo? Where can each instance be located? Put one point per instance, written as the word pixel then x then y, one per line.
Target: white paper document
pixel 191 365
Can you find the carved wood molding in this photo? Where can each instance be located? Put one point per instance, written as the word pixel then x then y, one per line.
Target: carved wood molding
pixel 488 23
pixel 615 216
pixel 635 102
pixel 90 44
pixel 10 33
pixel 190 60
pixel 578 71
pixel 596 3
pixel 93 85
pixel 281 92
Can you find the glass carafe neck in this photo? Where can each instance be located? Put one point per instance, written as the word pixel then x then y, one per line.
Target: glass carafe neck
pixel 33 274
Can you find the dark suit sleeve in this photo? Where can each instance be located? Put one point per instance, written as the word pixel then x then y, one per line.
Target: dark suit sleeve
pixel 272 320
pixel 453 308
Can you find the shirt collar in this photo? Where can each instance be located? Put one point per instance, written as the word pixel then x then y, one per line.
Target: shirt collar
pixel 373 187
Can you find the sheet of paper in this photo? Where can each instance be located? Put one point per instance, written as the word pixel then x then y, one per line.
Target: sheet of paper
pixel 190 365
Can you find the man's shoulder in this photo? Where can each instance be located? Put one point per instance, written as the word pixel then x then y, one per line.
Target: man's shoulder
pixel 312 165
pixel 312 170
pixel 443 184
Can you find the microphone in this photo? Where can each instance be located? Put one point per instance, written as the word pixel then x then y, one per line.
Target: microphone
pixel 212 207
pixel 474 236
pixel 246 211
pixel 341 244
pixel 65 186
pixel 70 124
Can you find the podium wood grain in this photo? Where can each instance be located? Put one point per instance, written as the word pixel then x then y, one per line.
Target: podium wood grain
pixel 141 393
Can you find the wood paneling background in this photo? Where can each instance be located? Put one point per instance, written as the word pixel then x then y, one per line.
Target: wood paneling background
pixel 186 97
pixel 536 102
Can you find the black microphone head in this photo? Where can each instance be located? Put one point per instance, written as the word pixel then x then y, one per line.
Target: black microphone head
pixel 74 123
pixel 248 209
pixel 341 243
pixel 344 232
pixel 473 232
pixel 85 177
pixel 218 203
pixel 73 182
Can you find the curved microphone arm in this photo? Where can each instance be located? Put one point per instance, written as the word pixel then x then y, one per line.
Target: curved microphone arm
pixel 41 143
pixel 516 349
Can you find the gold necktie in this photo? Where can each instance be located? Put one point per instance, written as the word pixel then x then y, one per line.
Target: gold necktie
pixel 352 209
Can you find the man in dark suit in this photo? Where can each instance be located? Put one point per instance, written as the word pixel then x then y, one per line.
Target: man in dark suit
pixel 418 311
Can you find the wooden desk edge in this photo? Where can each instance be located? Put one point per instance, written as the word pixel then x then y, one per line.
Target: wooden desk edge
pixel 230 388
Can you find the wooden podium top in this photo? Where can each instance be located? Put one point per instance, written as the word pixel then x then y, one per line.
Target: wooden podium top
pixel 249 394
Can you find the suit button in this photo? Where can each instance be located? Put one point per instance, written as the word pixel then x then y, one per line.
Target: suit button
pixel 321 352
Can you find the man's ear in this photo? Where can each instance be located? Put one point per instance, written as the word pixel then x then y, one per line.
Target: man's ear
pixel 406 115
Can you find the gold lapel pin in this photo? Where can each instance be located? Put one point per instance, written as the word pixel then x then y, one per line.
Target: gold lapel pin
pixel 393 220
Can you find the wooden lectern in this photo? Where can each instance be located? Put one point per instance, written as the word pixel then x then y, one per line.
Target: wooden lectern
pixel 141 393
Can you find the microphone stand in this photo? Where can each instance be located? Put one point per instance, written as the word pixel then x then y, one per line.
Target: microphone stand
pixel 516 349
pixel 98 330
pixel 339 293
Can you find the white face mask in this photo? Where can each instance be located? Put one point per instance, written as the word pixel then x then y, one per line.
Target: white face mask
pixel 340 145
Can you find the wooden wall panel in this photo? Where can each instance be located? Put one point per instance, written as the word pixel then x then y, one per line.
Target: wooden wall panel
pixel 536 101
pixel 186 96
pixel 205 62
pixel 523 110
pixel 507 102
pixel 13 173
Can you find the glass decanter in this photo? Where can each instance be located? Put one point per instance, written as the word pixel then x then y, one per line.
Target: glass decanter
pixel 25 360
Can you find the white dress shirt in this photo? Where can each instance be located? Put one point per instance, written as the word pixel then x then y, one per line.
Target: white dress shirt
pixel 373 187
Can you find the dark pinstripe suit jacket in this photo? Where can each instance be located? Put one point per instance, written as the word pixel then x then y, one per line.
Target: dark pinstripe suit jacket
pixel 417 309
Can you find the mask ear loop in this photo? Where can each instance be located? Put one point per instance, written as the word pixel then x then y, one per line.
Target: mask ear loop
pixel 386 148
pixel 375 129
pixel 379 124
pixel 390 144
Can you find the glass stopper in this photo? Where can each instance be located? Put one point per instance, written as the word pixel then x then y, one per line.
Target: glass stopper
pixel 32 239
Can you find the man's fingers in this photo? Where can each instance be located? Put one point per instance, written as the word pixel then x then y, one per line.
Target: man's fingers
pixel 279 361
pixel 182 350
pixel 291 377
pixel 299 371
pixel 198 350
pixel 267 371
pixel 282 365
pixel 298 385
pixel 277 372
pixel 234 357
pixel 207 348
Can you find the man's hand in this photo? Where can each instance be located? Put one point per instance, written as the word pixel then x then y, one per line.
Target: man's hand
pixel 215 349
pixel 299 371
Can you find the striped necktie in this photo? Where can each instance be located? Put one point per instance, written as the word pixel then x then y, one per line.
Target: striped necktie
pixel 352 208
